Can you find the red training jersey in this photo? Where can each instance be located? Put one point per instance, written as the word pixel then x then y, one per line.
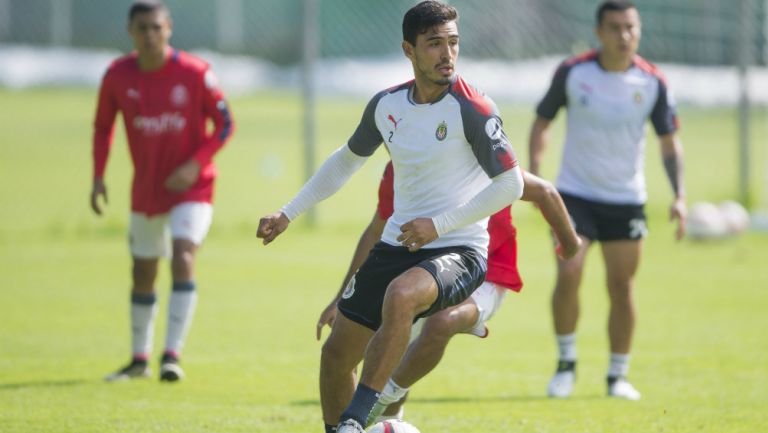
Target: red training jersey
pixel 502 248
pixel 166 114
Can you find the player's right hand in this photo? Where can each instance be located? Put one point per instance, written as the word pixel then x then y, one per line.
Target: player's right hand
pixel 99 189
pixel 271 226
pixel 327 317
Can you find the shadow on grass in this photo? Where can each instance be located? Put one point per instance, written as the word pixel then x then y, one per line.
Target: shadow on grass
pixel 446 400
pixel 42 384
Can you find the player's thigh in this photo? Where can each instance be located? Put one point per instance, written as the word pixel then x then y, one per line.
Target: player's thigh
pixel 148 236
pixel 458 271
pixel 191 221
pixel 347 342
pixel 622 259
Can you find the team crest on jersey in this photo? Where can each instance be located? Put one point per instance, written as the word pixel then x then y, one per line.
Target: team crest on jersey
pixel 349 290
pixel 638 97
pixel 179 95
pixel 442 131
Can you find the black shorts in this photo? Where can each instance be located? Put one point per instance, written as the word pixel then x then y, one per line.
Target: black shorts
pixel 457 270
pixel 606 222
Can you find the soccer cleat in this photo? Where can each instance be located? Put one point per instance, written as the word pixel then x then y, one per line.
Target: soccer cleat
pixel 170 370
pixel 349 426
pixel 618 387
pixel 561 384
pixel 135 370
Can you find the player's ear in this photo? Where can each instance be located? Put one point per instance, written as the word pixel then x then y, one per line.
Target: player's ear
pixel 408 49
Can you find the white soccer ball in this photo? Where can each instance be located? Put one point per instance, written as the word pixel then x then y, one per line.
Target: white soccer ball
pixel 706 221
pixel 736 217
pixel 393 426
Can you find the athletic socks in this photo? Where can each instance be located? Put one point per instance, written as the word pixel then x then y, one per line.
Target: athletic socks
pixel 392 392
pixel 361 404
pixel 143 311
pixel 619 366
pixel 330 428
pixel 181 308
pixel 567 347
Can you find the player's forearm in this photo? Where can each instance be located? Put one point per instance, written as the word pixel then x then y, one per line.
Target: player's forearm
pixel 331 176
pixel 224 128
pixel 555 213
pixel 102 143
pixel 537 143
pixel 672 155
pixel 503 190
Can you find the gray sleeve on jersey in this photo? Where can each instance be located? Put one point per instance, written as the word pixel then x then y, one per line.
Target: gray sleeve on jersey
pixel 484 132
pixel 664 115
pixel 556 96
pixel 367 137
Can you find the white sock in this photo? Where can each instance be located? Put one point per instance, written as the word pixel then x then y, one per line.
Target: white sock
pixel 181 308
pixel 392 392
pixel 567 347
pixel 143 312
pixel 619 366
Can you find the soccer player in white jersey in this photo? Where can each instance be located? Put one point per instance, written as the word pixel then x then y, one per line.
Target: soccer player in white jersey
pixel 455 167
pixel 609 94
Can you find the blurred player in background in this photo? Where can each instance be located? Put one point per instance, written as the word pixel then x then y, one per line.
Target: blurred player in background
pixel 166 97
pixel 433 334
pixel 609 94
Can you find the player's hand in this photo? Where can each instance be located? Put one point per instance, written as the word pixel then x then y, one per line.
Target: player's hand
pixel 417 233
pixel 327 317
pixel 567 250
pixel 271 226
pixel 679 211
pixel 183 177
pixel 98 189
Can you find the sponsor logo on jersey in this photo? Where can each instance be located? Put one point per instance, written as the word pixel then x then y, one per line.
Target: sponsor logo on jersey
pixel 179 95
pixel 442 131
pixel 157 125
pixel 391 118
pixel 349 290
pixel 493 128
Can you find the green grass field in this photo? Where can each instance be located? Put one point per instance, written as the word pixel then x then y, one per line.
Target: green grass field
pixel 700 353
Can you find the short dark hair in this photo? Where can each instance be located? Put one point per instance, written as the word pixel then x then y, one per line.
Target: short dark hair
pixel 424 16
pixel 144 6
pixel 611 6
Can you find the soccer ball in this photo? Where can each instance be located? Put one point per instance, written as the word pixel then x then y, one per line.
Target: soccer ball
pixel 706 221
pixel 736 217
pixel 393 426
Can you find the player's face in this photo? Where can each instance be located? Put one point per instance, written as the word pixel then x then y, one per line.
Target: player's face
pixel 619 33
pixel 150 32
pixel 434 56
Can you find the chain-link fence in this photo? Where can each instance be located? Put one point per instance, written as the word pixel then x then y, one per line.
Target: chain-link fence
pixel 702 32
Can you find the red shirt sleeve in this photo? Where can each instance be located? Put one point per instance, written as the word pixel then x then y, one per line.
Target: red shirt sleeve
pixel 216 109
pixel 104 124
pixel 386 206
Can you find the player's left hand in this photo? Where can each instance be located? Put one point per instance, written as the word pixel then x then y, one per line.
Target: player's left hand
pixel 417 233
pixel 271 226
pixel 566 250
pixel 679 211
pixel 327 317
pixel 183 177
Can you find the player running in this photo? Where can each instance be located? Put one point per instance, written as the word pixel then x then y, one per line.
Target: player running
pixel 470 317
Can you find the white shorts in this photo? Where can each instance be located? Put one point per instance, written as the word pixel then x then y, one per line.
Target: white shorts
pixel 151 237
pixel 488 298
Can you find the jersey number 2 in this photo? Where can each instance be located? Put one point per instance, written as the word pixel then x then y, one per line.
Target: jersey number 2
pixel 391 133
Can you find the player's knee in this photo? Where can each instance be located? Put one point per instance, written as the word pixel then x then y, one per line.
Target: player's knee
pixel 401 298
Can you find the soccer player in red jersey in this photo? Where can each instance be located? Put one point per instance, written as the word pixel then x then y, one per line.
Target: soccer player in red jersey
pixel 167 98
pixel 433 333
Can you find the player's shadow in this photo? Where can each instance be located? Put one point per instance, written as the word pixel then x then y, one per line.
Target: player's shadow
pixel 41 384
pixel 487 399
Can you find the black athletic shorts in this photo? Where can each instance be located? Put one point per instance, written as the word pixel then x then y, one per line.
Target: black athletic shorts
pixel 457 270
pixel 605 221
